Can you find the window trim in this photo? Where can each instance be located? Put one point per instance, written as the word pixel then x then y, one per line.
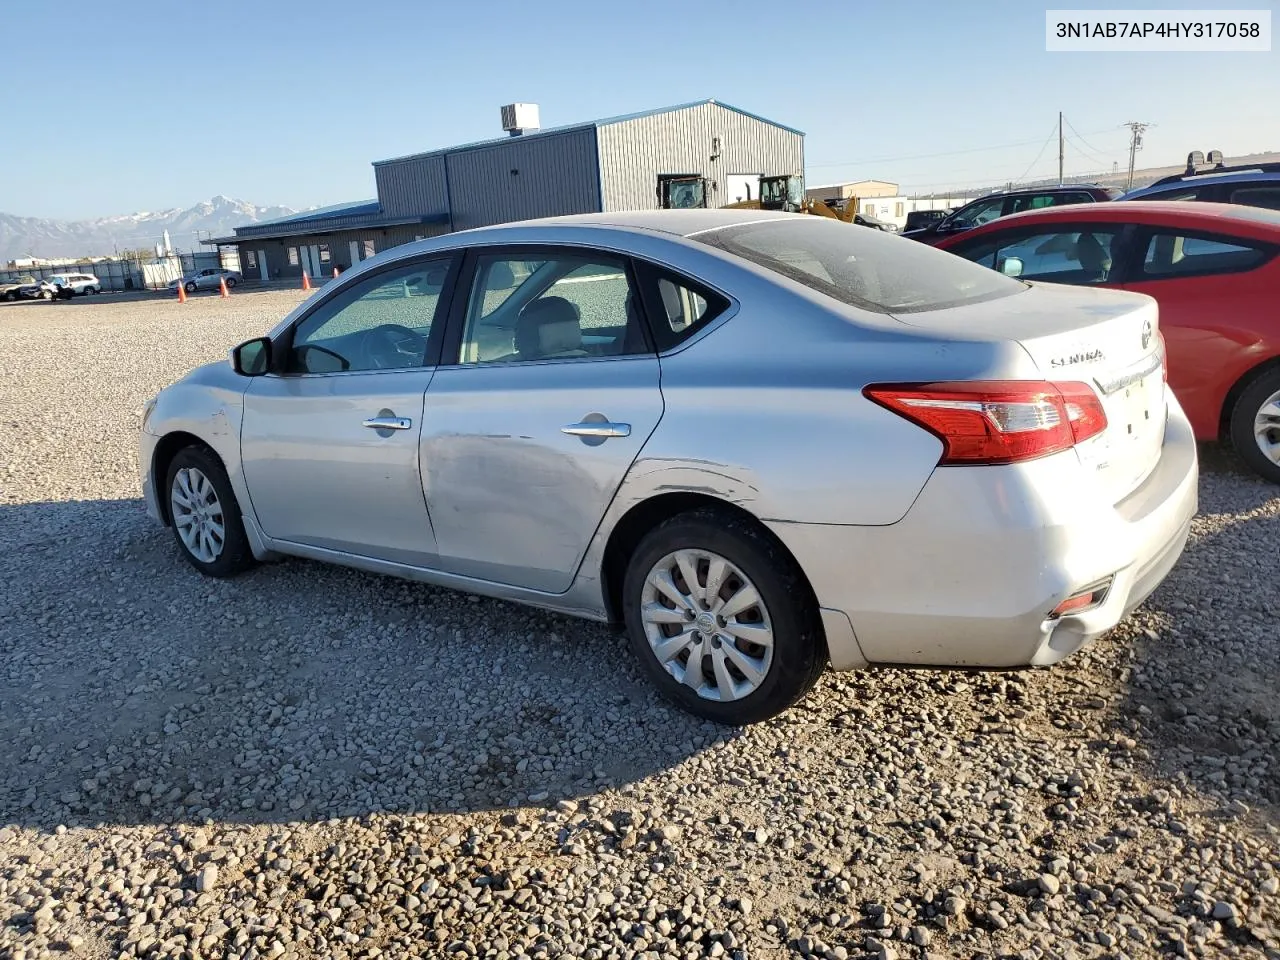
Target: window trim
pixel 451 346
pixel 282 345
pixel 1147 232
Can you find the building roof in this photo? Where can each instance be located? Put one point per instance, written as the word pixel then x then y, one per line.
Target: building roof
pixel 586 125
pixel 363 215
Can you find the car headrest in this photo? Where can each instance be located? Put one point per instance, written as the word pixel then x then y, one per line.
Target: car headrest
pixel 547 327
pixel 500 276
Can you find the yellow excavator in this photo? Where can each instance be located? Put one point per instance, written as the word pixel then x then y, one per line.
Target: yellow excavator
pixel 784 192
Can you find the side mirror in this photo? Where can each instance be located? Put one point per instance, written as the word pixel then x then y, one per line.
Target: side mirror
pixel 1011 267
pixel 252 358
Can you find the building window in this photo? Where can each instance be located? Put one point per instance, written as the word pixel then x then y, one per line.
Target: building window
pixel 324 253
pixel 293 256
pixel 368 250
pixel 869 209
pixel 253 259
pixel 899 209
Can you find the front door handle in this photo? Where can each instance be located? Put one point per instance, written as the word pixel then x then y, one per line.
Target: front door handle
pixel 388 423
pixel 602 429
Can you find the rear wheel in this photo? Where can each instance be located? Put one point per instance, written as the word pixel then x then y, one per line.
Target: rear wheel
pixel 46 294
pixel 231 282
pixel 205 515
pixel 11 296
pixel 1255 425
pixel 721 618
pixel 191 286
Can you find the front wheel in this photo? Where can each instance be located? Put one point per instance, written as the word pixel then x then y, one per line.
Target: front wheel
pixel 205 515
pixel 231 282
pixel 191 287
pixel 721 618
pixel 1255 425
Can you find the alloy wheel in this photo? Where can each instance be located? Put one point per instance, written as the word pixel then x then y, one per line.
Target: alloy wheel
pixel 197 514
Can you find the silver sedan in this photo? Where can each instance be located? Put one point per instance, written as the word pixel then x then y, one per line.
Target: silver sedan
pixel 763 442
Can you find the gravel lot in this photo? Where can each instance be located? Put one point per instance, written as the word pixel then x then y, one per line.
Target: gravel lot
pixel 309 761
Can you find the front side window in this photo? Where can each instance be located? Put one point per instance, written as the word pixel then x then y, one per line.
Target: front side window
pixel 1174 255
pixel 864 268
pixel 976 214
pixel 381 323
pixel 563 307
pixel 1073 255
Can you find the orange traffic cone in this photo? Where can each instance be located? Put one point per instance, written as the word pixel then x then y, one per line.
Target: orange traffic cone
pixel 182 293
pixel 306 281
pixel 222 287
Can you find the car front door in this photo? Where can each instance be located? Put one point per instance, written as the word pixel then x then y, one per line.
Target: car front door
pixel 329 441
pixel 527 435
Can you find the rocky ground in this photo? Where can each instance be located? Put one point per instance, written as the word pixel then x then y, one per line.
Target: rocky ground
pixel 308 761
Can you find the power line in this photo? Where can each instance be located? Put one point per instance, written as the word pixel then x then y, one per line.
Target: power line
pixel 1052 132
pixel 1082 139
pixel 920 156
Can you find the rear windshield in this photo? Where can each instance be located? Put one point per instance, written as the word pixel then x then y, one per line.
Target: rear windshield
pixel 861 266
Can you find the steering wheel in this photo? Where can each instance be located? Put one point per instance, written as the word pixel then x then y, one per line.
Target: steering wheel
pixel 392 346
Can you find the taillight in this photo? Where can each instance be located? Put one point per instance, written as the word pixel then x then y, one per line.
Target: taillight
pixel 997 421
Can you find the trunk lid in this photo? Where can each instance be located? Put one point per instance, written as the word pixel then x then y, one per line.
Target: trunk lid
pixel 1105 338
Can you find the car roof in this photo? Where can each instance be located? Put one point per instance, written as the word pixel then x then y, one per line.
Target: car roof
pixel 1257 222
pixel 681 223
pixel 1199 179
pixel 1055 188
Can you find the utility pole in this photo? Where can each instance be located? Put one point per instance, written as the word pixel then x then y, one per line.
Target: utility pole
pixel 1135 144
pixel 1059 148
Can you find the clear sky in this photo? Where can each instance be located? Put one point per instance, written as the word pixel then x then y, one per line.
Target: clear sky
pixel 130 107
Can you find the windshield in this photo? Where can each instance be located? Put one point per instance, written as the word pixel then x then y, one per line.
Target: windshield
pixel 865 268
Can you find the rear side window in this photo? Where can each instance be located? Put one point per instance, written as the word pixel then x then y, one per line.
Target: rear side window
pixel 677 306
pixel 871 269
pixel 1179 255
pixel 1268 197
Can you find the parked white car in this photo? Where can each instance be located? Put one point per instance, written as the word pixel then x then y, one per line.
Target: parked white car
pixel 207 279
pixel 81 284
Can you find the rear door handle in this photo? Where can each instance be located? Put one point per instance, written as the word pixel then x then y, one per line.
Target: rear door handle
pixel 388 423
pixel 597 428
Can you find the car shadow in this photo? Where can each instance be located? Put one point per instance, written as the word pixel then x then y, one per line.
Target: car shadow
pixel 138 691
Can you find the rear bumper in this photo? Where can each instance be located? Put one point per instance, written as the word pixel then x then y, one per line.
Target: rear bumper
pixel 970 575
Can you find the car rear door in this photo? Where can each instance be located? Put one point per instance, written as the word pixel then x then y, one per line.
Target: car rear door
pixel 1211 296
pixel 329 443
pixel 529 432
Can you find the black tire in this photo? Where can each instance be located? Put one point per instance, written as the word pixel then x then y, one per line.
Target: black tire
pixel 1243 414
pixel 799 648
pixel 46 294
pixel 11 296
pixel 235 556
pixel 231 282
pixel 191 286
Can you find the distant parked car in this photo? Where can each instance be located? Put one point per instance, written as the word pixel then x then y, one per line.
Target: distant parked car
pixel 1256 185
pixel 82 284
pixel 1215 271
pixel 866 220
pixel 208 279
pixel 996 205
pixel 9 288
pixel 919 219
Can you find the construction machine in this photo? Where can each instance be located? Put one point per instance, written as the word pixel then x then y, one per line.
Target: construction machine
pixel 783 192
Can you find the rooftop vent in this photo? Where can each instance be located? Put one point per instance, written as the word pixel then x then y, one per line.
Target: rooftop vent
pixel 519 117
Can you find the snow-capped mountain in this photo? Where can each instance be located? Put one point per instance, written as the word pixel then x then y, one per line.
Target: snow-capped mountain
pixel 40 237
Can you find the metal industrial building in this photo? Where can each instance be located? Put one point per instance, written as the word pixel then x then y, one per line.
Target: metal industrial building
pixel 597 166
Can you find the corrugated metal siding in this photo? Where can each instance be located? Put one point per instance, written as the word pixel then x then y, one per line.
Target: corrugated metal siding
pixel 558 174
pixel 329 223
pixel 634 152
pixel 411 187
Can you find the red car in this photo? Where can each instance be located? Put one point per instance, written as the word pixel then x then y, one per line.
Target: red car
pixel 1213 268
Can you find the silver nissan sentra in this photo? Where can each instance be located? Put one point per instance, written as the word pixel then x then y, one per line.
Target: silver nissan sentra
pixel 763 442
